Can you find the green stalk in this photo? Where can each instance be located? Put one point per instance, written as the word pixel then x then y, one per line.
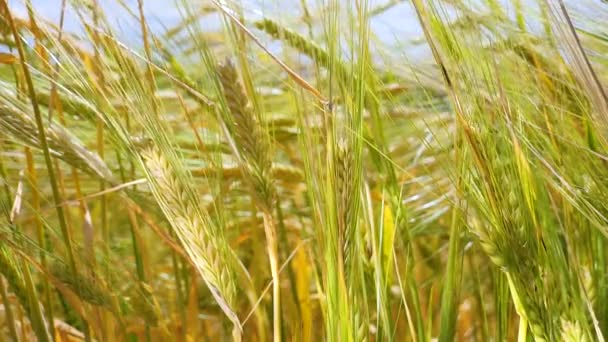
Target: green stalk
pixel 36 316
pixel 450 295
pixel 40 233
pixel 42 138
pixel 522 333
pixel 44 145
pixel 519 308
pixel 180 296
pixel 519 15
pixel 8 309
pixel 290 271
pixel 100 140
pixel 502 306
pixel 139 266
pixel 152 87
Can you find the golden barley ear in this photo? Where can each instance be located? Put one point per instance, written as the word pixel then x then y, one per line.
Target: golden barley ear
pixel 202 240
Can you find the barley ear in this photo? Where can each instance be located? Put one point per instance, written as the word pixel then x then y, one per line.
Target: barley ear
pixel 251 148
pixel 202 240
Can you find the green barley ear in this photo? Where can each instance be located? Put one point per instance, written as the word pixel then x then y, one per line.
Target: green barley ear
pixel 12 274
pixel 85 287
pixel 11 271
pixel 295 40
pixel 344 165
pixel 145 304
pixel 247 136
pixel 589 287
pixel 302 44
pixel 572 332
pixel 250 146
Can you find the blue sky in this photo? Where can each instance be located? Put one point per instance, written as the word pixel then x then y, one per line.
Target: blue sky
pixel 395 27
pixel 398 23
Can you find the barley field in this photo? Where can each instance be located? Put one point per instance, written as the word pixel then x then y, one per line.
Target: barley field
pixel 312 170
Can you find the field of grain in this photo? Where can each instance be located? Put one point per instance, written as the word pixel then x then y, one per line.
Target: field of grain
pixel 289 171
